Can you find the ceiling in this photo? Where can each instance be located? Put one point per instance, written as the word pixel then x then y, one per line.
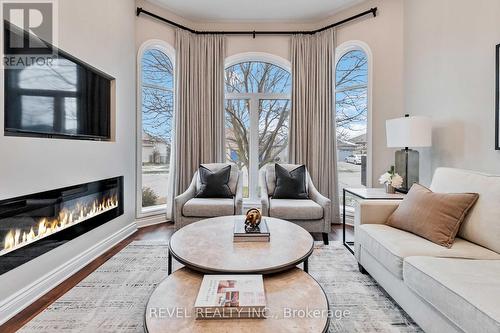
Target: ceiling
pixel 256 10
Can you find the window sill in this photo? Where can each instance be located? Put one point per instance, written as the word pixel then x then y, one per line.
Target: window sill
pixel 145 221
pixel 152 210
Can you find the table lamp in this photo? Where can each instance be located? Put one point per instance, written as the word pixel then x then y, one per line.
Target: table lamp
pixel 408 132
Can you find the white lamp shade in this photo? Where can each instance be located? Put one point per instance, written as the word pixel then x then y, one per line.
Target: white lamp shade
pixel 409 132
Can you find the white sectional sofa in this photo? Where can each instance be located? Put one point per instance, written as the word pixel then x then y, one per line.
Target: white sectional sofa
pixel 443 290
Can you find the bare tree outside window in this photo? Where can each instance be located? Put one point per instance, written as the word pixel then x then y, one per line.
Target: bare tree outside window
pixel 238 132
pixel 157 94
pixel 351 94
pixel 273 130
pixel 257 106
pixel 157 90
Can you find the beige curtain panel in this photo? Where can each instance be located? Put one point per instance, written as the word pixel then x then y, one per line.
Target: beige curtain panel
pixel 312 117
pixel 199 107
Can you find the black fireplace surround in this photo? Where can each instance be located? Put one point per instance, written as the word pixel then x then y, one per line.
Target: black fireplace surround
pixel 34 224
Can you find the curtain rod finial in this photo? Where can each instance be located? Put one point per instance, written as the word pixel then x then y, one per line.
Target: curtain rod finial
pixel 138 11
pixel 374 11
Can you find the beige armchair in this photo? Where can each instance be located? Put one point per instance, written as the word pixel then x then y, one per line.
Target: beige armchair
pixel 313 214
pixel 189 209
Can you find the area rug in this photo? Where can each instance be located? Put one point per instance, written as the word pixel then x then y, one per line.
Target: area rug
pixel 113 298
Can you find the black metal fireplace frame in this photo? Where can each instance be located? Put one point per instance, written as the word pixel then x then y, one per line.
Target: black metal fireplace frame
pixel 33 250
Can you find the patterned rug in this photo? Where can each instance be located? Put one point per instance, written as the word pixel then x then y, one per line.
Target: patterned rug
pixel 113 298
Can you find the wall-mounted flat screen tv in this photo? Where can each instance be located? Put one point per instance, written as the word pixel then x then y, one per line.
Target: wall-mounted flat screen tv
pixel 61 98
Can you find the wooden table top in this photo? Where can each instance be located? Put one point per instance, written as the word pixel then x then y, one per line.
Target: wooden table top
pixel 208 246
pixel 171 306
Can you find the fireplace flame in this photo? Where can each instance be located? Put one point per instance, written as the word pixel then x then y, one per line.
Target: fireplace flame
pixel 17 238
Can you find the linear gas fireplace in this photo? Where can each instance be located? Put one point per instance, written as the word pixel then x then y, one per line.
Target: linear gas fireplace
pixel 34 224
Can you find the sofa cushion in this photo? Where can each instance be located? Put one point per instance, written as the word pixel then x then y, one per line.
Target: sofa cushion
pixel 434 216
pixel 465 291
pixel 214 167
pixel 290 184
pixel 208 207
pixel 482 225
pixel 214 184
pixel 390 246
pixel 294 209
pixel 271 176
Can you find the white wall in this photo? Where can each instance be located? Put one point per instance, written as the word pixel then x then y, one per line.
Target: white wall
pixel 450 76
pixel 102 34
pixel 384 35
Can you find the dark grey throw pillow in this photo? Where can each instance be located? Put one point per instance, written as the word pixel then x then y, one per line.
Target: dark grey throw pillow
pixel 290 184
pixel 214 184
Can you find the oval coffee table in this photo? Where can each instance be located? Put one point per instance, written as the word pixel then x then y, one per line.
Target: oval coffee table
pixel 295 303
pixel 207 246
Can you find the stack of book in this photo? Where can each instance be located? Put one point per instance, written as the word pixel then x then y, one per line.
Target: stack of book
pixel 241 235
pixel 231 297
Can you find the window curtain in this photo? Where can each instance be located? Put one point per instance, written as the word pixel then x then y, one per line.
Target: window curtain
pixel 312 117
pixel 199 105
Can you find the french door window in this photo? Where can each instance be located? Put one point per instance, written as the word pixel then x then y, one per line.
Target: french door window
pixel 257 109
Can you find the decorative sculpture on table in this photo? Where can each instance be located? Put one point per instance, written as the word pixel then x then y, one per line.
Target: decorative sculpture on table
pixel 252 220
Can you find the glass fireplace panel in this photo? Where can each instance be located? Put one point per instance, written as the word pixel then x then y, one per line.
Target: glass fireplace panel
pixel 34 224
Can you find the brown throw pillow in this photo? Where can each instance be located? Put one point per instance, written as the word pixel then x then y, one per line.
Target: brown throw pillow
pixel 434 216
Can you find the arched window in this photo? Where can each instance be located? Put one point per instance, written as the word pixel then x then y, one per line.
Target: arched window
pixel 257 110
pixel 156 123
pixel 352 115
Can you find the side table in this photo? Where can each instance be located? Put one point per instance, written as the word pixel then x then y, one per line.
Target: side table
pixel 364 194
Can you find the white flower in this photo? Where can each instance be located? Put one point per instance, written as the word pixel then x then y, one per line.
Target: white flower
pixel 385 178
pixel 396 181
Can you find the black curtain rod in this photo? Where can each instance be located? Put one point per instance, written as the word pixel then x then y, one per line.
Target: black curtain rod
pixel 372 11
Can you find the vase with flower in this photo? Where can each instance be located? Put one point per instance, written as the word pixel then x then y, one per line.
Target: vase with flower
pixel 391 180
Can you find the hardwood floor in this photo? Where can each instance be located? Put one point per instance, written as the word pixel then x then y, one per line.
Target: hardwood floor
pixel 336 234
pixel 157 232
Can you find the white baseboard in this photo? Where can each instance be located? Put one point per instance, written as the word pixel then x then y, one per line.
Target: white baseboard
pixel 150 220
pixel 24 297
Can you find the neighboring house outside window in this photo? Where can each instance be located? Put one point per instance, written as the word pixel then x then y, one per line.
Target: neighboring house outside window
pixel 155 150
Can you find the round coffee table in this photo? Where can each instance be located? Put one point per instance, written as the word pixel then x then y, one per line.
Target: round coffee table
pixel 295 303
pixel 207 246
